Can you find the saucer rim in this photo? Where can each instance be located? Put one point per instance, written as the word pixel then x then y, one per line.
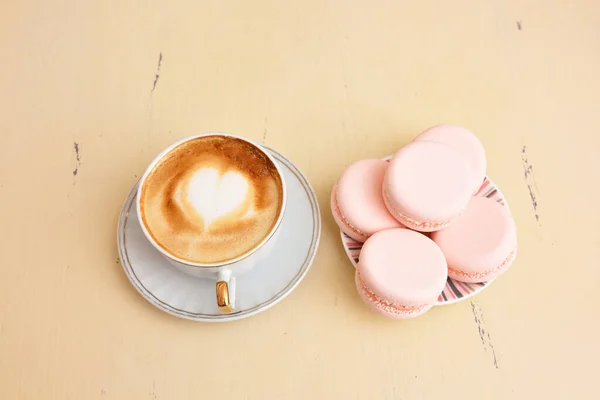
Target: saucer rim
pixel 203 317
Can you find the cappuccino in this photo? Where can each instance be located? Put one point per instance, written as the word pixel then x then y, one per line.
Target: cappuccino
pixel 211 199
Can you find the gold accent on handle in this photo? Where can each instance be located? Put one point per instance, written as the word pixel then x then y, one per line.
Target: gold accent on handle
pixel 223 297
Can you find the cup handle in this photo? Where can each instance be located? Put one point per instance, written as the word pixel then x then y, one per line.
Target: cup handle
pixel 225 291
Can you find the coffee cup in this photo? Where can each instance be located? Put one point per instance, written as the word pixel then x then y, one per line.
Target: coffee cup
pixel 208 203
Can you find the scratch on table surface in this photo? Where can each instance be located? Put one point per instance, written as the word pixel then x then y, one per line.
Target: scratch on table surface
pixel 531 183
pixel 77 158
pixel 519 25
pixel 157 75
pixel 346 94
pixel 153 391
pixel 486 339
pixel 264 138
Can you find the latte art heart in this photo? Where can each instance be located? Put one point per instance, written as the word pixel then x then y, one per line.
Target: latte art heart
pixel 211 199
pixel 212 196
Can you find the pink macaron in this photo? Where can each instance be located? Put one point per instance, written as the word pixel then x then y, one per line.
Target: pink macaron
pixel 482 244
pixel 357 202
pixel 463 141
pixel 427 185
pixel 401 273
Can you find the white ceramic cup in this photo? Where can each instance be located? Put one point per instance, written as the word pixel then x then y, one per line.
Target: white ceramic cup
pixel 222 273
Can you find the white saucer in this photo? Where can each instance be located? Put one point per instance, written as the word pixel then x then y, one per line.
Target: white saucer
pixel 265 285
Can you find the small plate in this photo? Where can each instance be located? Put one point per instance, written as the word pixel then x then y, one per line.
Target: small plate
pixel 256 290
pixel 454 291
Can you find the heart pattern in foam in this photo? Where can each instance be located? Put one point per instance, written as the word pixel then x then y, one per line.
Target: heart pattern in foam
pixel 214 195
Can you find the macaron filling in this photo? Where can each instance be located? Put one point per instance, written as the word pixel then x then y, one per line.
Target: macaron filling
pixel 387 305
pixel 413 223
pixel 483 274
pixel 344 220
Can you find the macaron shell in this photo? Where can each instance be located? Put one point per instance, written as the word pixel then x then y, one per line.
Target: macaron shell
pixel 427 182
pixel 482 242
pixel 341 223
pixel 359 198
pixel 463 141
pixel 484 276
pixel 403 267
pixel 414 224
pixel 383 308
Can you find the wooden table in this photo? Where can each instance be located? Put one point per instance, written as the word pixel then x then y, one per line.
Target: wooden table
pixel 91 91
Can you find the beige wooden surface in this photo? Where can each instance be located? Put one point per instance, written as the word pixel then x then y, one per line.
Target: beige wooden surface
pixel 325 83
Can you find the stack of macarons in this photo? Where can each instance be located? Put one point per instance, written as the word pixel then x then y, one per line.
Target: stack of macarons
pixel 420 221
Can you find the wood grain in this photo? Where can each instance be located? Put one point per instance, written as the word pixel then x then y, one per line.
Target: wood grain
pixel 90 92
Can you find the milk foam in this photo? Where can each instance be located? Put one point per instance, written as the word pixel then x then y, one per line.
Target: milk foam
pixel 211 199
pixel 213 195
